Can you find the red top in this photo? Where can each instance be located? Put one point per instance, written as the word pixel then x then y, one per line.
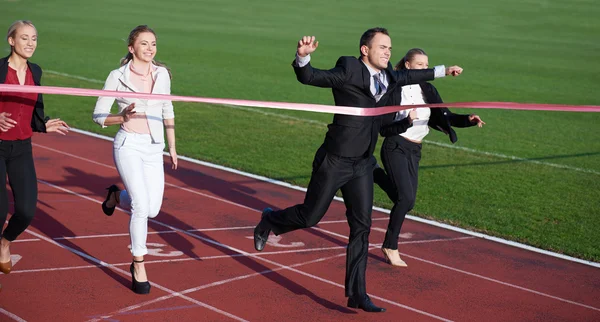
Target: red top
pixel 20 106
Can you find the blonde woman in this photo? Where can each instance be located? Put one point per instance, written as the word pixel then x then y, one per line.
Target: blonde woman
pixel 138 145
pixel 21 114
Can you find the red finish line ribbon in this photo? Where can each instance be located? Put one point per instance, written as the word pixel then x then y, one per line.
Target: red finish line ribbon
pixel 347 110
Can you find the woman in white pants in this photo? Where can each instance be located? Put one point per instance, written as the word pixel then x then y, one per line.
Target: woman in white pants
pixel 138 145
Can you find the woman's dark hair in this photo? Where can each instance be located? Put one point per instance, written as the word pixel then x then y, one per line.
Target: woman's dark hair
pixel 408 57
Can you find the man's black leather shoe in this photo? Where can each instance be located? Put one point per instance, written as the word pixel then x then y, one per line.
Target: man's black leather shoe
pixel 261 233
pixel 365 304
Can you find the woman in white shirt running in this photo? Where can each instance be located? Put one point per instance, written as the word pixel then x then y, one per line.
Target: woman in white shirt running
pixel 138 145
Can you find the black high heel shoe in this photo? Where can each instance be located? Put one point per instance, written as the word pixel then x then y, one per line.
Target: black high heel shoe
pixel 138 287
pixel 109 210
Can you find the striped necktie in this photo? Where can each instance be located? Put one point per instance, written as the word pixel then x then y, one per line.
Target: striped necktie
pixel 380 88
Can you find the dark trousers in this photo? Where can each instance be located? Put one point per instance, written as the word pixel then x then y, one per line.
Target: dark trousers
pixel 400 159
pixel 354 176
pixel 16 161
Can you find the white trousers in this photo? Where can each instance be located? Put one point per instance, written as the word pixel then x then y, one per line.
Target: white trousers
pixel 140 165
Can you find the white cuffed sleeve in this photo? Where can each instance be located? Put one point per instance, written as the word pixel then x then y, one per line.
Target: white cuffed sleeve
pixel 439 71
pixel 104 103
pixel 302 61
pixel 167 108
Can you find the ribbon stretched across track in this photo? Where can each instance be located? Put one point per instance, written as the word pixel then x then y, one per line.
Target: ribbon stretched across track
pixel 347 110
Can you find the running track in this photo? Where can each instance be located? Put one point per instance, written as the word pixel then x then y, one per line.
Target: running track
pixel 72 263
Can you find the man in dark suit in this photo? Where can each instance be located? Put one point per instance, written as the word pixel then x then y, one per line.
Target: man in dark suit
pixel 345 160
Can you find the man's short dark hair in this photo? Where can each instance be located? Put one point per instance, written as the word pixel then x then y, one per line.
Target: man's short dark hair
pixel 367 36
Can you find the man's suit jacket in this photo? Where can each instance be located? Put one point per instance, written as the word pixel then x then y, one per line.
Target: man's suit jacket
pixel 441 118
pixel 350 81
pixel 38 120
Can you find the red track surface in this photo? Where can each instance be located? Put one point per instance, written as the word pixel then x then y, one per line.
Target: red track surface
pixel 450 276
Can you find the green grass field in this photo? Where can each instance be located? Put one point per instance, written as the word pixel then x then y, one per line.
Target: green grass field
pixel 520 51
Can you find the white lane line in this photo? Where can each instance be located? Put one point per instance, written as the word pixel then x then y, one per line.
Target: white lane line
pixel 11 315
pixel 435 240
pixel 400 243
pixel 25 240
pixel 177 260
pixel 501 282
pixel 171 231
pixel 203 258
pixel 111 235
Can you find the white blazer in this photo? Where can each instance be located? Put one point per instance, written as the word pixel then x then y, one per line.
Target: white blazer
pixel 156 110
